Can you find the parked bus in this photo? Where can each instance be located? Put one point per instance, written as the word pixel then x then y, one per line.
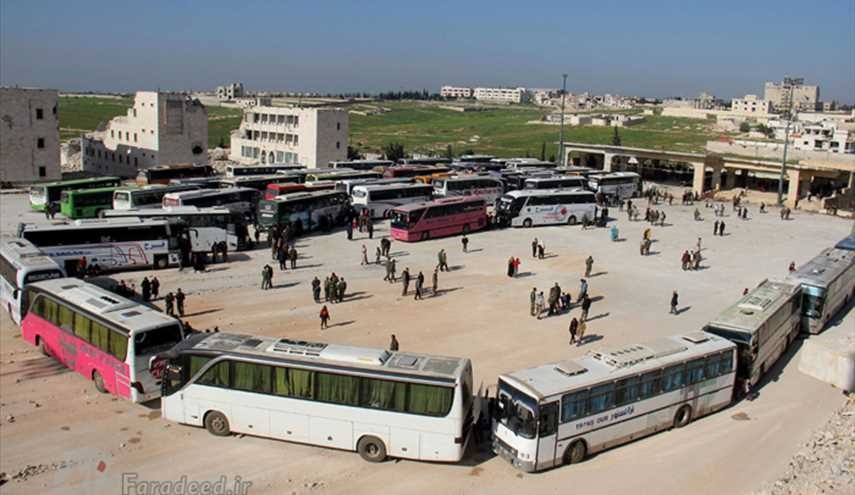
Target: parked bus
pixel 257 182
pixel 556 182
pixel 560 413
pixel 376 402
pixel 529 207
pixel 304 211
pixel 347 185
pixel 204 227
pixel 104 337
pixel 200 183
pixel 21 264
pixel 381 200
pixel 274 190
pixel 399 171
pixel 761 324
pixel 362 164
pixel 528 163
pixel 424 161
pixel 241 200
pixel 240 170
pixel 443 217
pixel 575 170
pixel 619 185
pixel 163 174
pixel 484 186
pixel 828 284
pixel 107 244
pixel 50 193
pixel 126 198
pixel 429 178
pixel 85 203
pixel 848 242
pixel 342 174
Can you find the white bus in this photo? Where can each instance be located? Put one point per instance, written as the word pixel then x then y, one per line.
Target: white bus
pixel 530 207
pixel 524 163
pixel 485 186
pixel 556 182
pixel 21 263
pixel 559 413
pixel 376 402
pixel 619 185
pixel 128 198
pixel 104 337
pixel 347 185
pixel 205 226
pixel 381 200
pixel 239 170
pixel 107 244
pixel 828 284
pixel 362 164
pixel 241 200
pixel 762 324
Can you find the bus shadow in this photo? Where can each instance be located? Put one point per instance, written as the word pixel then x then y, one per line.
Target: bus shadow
pixel 477 453
pixel 42 367
pixel 238 257
pixel 777 369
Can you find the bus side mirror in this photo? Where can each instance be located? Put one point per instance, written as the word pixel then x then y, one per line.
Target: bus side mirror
pixel 16 293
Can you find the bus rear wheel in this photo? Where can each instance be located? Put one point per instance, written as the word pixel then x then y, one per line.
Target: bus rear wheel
pixel 161 262
pixel 425 236
pixel 571 220
pixel 683 416
pixel 217 424
pixel 575 453
pixel 527 223
pixel 99 382
pixel 371 449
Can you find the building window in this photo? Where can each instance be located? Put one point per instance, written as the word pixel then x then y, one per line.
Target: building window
pixel 135 137
pixel 99 153
pixel 127 136
pixel 337 145
pixel 135 112
pixel 136 163
pixel 40 143
pixel 338 126
pixel 112 133
pixel 42 172
pixel 54 109
pixel 40 114
pixel 121 160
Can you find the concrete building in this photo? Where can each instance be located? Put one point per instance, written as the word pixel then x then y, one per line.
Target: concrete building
pixel 311 137
pixel 805 96
pixel 230 91
pixel 29 135
pixel 501 95
pixel 826 136
pixel 750 105
pixel 455 92
pixel 160 129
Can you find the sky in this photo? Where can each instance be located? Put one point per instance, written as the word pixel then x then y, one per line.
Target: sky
pixel 647 48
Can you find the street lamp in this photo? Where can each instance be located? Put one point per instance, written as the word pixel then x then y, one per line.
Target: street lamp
pixel 561 160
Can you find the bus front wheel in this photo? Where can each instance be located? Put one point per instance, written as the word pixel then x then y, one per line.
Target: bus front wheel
pixel 683 416
pixel 527 223
pixel 425 236
pixel 571 220
pixel 217 424
pixel 99 382
pixel 161 262
pixel 371 449
pixel 575 453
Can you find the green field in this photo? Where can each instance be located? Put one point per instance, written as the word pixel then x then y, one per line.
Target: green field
pixel 82 114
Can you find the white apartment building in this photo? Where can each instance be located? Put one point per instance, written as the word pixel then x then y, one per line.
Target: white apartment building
pixel 805 96
pixel 826 136
pixel 29 135
pixel 501 95
pixel 750 105
pixel 311 137
pixel 455 92
pixel 160 129
pixel 230 91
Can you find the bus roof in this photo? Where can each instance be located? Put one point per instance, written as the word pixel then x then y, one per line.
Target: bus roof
pixel 74 182
pixel 169 211
pixel 96 190
pixel 296 195
pixel 378 163
pixel 177 166
pixel 823 269
pixel 22 253
pixel 94 223
pixel 847 242
pixel 128 315
pixel 749 313
pixel 469 177
pixel 614 175
pixel 386 187
pixel 331 355
pixel 612 363
pixel 546 192
pixel 554 178
pixel 200 193
pixel 158 187
pixel 438 202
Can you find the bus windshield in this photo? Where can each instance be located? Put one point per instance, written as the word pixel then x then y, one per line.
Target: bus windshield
pixel 813 300
pixel 517 411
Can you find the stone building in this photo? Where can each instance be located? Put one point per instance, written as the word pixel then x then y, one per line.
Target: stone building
pixel 805 96
pixel 230 92
pixel 29 135
pixel 311 137
pixel 455 92
pixel 750 105
pixel 501 95
pixel 160 129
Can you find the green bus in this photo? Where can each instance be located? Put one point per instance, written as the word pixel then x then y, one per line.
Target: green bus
pixel 86 203
pixel 42 195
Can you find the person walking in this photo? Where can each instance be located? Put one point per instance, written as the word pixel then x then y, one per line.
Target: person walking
pixel 517 263
pixel 583 289
pixel 282 256
pixel 393 344
pixel 145 285
pixel 586 306
pixel 325 317
pixel 715 228
pixel 435 282
pixel 377 255
pixel 342 289
pixel 364 255
pixel 392 276
pixel 443 260
pixel 292 254
pixel 541 250
pixel 532 300
pixel 388 277
pixel 370 228
pixel 574 326
pixel 327 287
pixel 685 259
pixel 349 228
pixel 179 302
pixel 465 242
pixel 721 228
pixel 405 280
pixel 420 283
pixel 792 267
pixel 698 246
pixel 316 290
pixel 674 301
pixel 534 246
pixel 580 336
pixel 155 288
pixel 265 284
pixel 589 263
pixel 539 304
pixel 511 261
pixel 169 300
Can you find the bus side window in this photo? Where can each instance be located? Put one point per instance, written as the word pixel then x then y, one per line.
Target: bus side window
pixel 574 406
pixel 650 383
pixel 216 376
pixel 81 326
pixel 66 318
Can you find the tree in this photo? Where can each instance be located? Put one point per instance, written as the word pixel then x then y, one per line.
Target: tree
pixel 552 158
pixel 744 127
pixel 221 143
pixel 393 151
pixel 353 153
pixel 543 151
pixel 616 138
pixel 449 152
pixel 766 130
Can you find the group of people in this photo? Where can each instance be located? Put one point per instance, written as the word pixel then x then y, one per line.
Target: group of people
pixel 362 222
pixel 335 288
pixel 558 301
pixel 538 249
pixel 284 253
pixel 419 283
pixel 513 266
pixel 654 216
pixel 718 228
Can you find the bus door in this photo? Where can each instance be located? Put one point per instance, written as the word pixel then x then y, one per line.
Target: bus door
pixel 547 435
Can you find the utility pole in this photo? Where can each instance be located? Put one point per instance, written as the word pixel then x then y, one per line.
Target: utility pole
pixel 561 159
pixel 789 82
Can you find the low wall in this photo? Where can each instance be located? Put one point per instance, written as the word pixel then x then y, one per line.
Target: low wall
pixel 775 151
pixel 830 357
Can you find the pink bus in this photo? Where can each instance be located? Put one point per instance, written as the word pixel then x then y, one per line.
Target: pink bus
pixel 448 216
pixel 104 337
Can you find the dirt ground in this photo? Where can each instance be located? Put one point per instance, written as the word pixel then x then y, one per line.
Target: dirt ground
pixel 58 435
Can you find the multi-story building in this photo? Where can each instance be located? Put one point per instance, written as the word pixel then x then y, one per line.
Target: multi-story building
pixel 311 137
pixel 230 91
pixel 161 128
pixel 455 92
pixel 29 135
pixel 805 96
pixel 826 136
pixel 501 95
pixel 750 105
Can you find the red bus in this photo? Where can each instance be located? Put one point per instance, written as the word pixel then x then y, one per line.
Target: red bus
pixel 443 217
pixel 274 190
pixel 104 337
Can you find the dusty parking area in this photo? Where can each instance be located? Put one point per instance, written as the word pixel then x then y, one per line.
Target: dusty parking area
pixel 58 435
